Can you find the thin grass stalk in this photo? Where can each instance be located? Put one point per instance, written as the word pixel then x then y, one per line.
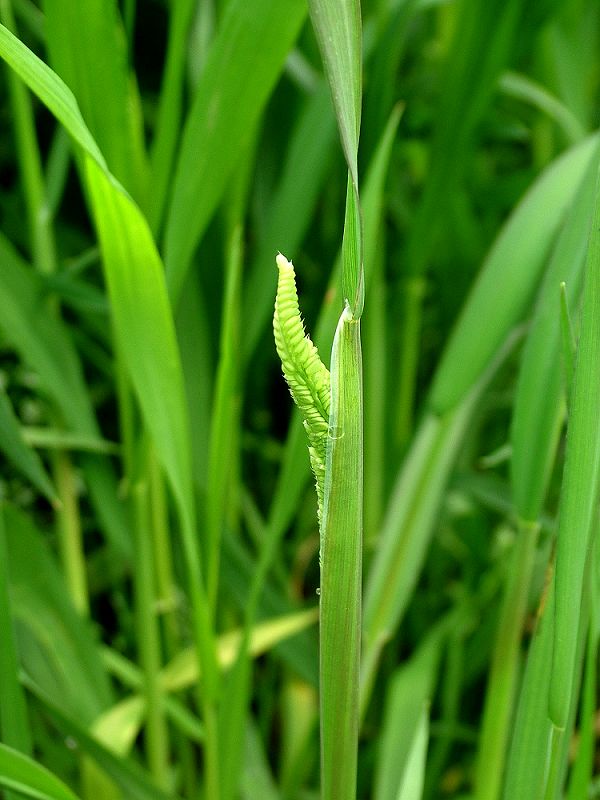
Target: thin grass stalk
pixel 148 638
pixel 341 567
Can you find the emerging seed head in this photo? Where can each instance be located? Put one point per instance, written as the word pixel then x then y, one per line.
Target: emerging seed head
pixel 306 375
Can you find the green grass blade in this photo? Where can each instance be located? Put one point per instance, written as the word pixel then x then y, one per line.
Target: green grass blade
pixel 49 87
pixel 509 275
pixel 170 112
pixel 337 24
pixel 29 779
pixel 243 65
pixel 338 27
pixel 341 567
pixel 410 689
pixel 581 483
pixel 17 450
pixel 87 48
pixel 413 779
pixel 539 405
pixel 523 88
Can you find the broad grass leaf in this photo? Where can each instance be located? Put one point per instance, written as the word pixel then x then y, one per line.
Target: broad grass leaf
pixel 23 775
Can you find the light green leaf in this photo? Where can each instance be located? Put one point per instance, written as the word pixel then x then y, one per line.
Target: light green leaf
pixel 337 24
pixel 413 779
pixel 23 775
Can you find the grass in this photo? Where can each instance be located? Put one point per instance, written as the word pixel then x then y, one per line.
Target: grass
pixel 431 170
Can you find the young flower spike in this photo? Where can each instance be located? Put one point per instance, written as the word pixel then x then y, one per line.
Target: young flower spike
pixel 306 375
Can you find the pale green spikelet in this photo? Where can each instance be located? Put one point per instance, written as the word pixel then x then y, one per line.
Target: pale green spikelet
pixel 305 373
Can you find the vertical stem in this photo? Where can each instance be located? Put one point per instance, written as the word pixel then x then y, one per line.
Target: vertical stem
pixel 414 291
pixel 70 536
pixel 165 583
pixel 148 639
pixel 341 568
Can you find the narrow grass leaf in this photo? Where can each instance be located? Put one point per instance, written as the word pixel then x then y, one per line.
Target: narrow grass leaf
pixel 581 483
pixel 337 24
pixel 409 693
pixel 23 775
pixel 182 672
pixel 509 275
pixel 53 439
pixel 87 48
pixel 51 90
pixel 338 27
pixel 20 453
pixel 244 62
pixel 521 87
pixel 170 111
pixel 539 404
pixel 413 779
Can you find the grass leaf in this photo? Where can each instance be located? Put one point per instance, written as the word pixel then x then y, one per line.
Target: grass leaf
pixel 243 65
pixel 23 775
